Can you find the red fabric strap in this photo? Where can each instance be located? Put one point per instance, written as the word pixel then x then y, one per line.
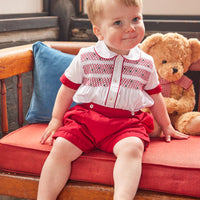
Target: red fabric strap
pixel 184 82
pixel 156 90
pixel 69 83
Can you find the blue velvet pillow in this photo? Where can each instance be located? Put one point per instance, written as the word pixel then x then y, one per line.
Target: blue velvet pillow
pixel 49 65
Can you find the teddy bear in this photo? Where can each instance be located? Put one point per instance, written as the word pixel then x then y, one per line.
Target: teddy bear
pixel 173 54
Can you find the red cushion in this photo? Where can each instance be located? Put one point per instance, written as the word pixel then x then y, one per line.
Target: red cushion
pixel 168 167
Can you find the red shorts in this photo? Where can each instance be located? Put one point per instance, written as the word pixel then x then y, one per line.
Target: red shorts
pixel 90 126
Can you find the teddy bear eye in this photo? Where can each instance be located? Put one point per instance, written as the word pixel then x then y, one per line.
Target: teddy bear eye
pixel 164 62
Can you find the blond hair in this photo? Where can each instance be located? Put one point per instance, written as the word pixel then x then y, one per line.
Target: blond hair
pixel 94 8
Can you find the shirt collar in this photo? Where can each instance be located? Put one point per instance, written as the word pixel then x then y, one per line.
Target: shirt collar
pixel 103 51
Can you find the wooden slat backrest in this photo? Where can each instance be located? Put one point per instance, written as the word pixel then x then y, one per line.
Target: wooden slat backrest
pixel 20 100
pixel 13 61
pixel 4 117
pixel 69 47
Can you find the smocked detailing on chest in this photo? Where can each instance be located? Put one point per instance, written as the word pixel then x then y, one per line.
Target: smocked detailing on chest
pixel 97 70
pixel 136 73
pixel 100 71
pixel 113 80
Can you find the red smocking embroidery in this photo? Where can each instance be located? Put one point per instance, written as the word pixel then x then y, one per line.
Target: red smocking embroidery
pixel 95 67
pixel 96 82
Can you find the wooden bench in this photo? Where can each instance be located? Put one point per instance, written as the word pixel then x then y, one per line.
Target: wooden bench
pixel 16 61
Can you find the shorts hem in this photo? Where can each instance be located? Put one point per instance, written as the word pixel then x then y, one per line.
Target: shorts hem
pixel 73 139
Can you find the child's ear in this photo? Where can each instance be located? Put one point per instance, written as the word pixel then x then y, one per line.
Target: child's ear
pixel 97 32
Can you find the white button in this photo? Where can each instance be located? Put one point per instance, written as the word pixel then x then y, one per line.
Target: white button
pixel 91 106
pixel 132 113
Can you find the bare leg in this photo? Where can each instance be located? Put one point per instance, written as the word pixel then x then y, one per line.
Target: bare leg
pixel 56 169
pixel 127 170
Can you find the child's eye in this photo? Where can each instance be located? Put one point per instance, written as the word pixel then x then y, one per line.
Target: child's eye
pixel 117 23
pixel 135 19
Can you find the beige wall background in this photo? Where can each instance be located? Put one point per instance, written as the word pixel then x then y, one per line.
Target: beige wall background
pixel 154 7
pixel 171 7
pixel 20 6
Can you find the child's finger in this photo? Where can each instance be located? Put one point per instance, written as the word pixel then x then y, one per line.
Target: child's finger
pixel 176 135
pixel 168 138
pixel 51 139
pixel 179 135
pixel 44 137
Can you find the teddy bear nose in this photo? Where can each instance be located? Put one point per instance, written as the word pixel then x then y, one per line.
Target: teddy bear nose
pixel 175 70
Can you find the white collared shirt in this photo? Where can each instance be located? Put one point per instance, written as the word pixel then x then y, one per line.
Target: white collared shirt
pixel 108 79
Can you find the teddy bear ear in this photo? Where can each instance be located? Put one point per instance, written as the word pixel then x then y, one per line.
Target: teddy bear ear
pixel 150 41
pixel 195 47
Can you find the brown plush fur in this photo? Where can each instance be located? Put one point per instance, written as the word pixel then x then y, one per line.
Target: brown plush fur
pixel 174 51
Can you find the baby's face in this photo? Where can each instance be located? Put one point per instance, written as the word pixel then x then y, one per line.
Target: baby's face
pixel 121 27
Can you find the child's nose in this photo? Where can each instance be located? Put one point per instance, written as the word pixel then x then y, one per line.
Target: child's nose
pixel 130 28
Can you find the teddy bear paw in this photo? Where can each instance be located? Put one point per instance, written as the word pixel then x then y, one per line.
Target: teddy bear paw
pixel 193 128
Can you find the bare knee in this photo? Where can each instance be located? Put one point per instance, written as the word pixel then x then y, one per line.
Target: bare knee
pixel 63 149
pixel 131 147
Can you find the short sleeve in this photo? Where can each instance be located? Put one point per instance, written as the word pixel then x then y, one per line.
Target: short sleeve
pixel 74 72
pixel 153 79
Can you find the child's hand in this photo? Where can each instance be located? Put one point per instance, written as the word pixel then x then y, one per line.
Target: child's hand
pixel 54 124
pixel 171 132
